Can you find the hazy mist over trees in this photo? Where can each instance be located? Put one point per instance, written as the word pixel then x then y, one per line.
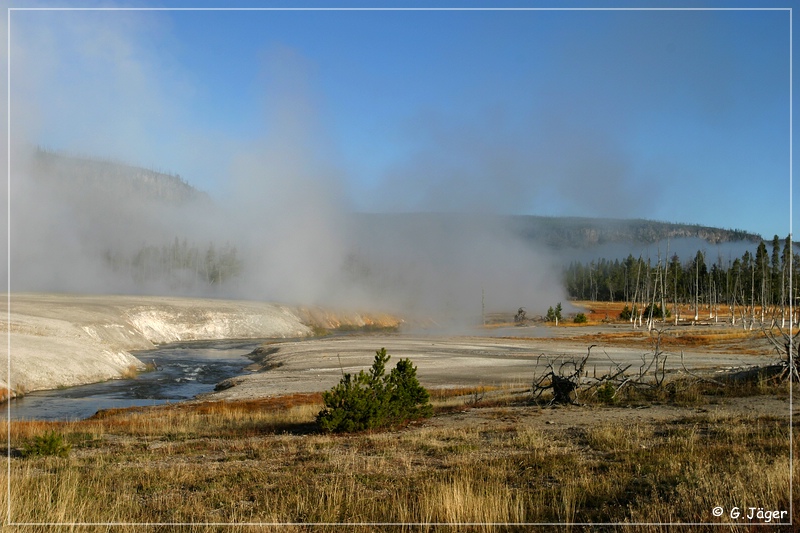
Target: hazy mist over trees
pixel 87 225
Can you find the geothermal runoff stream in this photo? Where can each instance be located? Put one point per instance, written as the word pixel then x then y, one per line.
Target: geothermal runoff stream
pixel 183 371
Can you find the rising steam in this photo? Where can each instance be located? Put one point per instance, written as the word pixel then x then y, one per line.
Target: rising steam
pixel 281 228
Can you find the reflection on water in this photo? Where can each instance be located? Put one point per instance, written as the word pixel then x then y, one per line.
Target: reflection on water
pixel 183 371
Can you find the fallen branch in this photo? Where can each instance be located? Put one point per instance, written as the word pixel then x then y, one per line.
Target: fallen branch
pixel 699 378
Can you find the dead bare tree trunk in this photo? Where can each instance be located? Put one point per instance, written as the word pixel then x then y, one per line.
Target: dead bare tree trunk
pixel 636 292
pixel 785 344
pixel 696 290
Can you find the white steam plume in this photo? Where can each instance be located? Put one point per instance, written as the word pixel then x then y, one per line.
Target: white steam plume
pixel 283 209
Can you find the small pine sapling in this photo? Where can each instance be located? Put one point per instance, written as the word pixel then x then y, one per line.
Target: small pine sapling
pixel 374 400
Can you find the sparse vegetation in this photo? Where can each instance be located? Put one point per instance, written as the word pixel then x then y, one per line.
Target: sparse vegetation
pixel 367 328
pixel 607 393
pixel 319 331
pixel 132 371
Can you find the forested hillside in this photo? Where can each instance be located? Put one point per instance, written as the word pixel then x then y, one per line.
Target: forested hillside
pixel 115 180
pixel 565 232
pixel 576 232
pixel 114 227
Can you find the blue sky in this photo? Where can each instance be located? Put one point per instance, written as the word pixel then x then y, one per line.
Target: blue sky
pixel 673 115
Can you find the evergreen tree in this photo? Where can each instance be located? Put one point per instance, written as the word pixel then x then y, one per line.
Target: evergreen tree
pixel 762 277
pixel 775 271
pixel 373 400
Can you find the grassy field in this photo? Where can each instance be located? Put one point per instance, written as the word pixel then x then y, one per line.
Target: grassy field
pixel 487 460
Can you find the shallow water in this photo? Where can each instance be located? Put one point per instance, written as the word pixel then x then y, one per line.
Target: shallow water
pixel 184 370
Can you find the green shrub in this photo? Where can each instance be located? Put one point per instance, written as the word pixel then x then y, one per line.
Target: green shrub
pixel 51 443
pixel 580 318
pixel 607 393
pixel 657 311
pixel 374 400
pixel 626 313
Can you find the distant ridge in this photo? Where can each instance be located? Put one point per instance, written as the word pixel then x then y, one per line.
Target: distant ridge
pixel 578 232
pixel 117 180
pixel 566 232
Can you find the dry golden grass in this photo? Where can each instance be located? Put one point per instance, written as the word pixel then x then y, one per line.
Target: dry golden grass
pixel 131 372
pixel 492 462
pixel 709 339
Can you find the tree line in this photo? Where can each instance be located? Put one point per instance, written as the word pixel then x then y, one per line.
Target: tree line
pixel 180 265
pixel 748 288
